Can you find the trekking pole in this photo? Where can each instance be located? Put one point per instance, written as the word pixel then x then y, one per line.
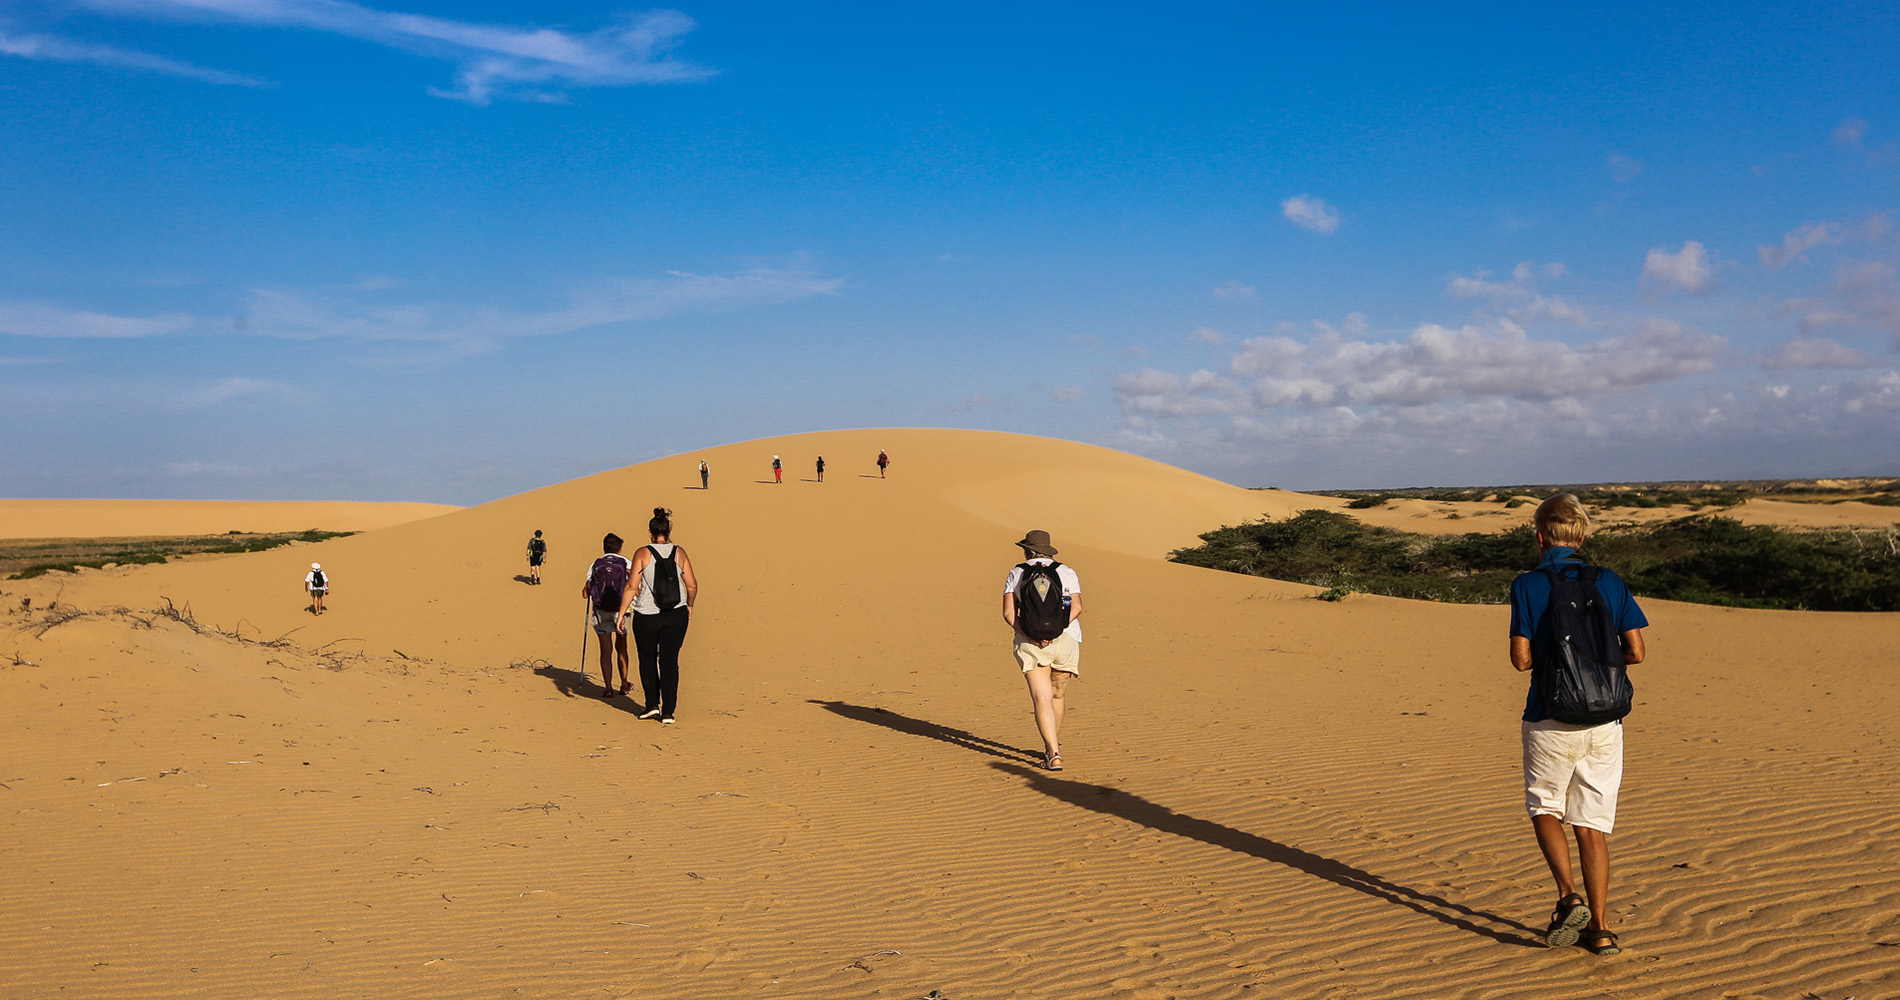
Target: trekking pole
pixel 587 625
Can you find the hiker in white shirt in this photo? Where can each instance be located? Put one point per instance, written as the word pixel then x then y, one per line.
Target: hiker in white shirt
pixel 1042 602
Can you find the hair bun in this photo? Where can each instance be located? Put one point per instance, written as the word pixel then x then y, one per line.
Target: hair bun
pixel 662 512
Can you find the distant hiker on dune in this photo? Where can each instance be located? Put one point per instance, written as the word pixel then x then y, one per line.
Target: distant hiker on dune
pixel 537 553
pixel 605 589
pixel 1042 602
pixel 705 476
pixel 883 462
pixel 778 470
pixel 661 606
pixel 316 583
pixel 1575 627
pixel 821 468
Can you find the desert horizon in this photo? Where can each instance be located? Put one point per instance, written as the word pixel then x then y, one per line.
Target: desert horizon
pixel 421 793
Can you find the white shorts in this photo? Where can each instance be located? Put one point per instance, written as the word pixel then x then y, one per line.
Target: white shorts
pixel 1573 772
pixel 1063 653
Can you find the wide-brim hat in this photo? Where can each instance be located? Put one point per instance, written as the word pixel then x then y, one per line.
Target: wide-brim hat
pixel 1037 542
pixel 316 565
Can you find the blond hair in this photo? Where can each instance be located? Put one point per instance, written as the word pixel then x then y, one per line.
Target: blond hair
pixel 1562 520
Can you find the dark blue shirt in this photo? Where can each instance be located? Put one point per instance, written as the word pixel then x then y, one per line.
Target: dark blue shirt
pixel 1530 595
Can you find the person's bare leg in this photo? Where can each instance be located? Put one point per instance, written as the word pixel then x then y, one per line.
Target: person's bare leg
pixel 620 646
pixel 607 659
pixel 1058 682
pixel 1042 703
pixel 1551 840
pixel 1593 851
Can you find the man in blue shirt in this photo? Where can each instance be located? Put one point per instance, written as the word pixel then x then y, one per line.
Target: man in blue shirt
pixel 1572 772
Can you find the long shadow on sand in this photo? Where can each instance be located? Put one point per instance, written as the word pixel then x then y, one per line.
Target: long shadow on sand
pixel 575 684
pixel 1115 802
pixel 1135 809
pixel 928 730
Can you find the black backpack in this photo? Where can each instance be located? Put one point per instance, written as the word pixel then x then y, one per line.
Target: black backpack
pixel 1577 654
pixel 666 579
pixel 537 546
pixel 1041 612
pixel 318 581
pixel 607 581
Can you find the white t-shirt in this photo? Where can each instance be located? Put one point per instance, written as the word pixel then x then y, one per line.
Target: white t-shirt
pixel 1071 584
pixel 310 580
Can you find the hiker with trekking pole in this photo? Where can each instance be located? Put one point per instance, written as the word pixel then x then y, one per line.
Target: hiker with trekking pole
pixel 606 583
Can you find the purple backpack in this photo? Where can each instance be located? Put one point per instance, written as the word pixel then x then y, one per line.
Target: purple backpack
pixel 607 581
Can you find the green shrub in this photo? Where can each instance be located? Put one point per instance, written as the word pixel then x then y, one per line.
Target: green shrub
pixel 1705 559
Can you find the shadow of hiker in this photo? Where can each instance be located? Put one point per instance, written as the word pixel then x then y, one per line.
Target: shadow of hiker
pixel 523 578
pixel 1115 802
pixel 929 730
pixel 575 684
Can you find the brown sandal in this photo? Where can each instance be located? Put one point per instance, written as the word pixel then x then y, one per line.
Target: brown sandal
pixel 1601 943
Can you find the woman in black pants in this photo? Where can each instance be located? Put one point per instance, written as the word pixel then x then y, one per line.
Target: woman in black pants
pixel 661 606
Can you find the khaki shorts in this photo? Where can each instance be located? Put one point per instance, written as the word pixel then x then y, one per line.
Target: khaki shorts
pixel 1573 772
pixel 604 622
pixel 1063 653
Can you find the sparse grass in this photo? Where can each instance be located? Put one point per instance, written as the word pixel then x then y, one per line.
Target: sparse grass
pixel 26 559
pixel 1705 559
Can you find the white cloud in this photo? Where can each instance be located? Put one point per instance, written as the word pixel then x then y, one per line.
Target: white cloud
pixel 32 319
pixel 517 63
pixel 1688 269
pixel 1819 352
pixel 1310 213
pixel 1798 242
pixel 54 49
pixel 1066 393
pixel 1623 169
pixel 1434 365
pixel 1231 290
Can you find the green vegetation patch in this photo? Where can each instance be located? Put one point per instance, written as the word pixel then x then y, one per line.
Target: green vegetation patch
pixel 25 559
pixel 1706 559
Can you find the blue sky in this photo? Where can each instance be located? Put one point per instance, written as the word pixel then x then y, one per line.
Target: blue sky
pixel 311 249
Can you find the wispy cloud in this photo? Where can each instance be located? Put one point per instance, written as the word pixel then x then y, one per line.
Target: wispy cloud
pixel 1234 290
pixel 309 316
pixel 226 389
pixel 55 49
pixel 1623 169
pixel 368 316
pixel 1310 213
pixel 1519 297
pixel 1798 242
pixel 1819 352
pixel 494 61
pixel 33 319
pixel 1687 269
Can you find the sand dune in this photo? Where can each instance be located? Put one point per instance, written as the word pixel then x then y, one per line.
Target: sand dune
pixel 418 794
pixel 129 518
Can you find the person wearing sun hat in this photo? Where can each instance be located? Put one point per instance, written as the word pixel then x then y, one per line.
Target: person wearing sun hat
pixel 316 583
pixel 1042 602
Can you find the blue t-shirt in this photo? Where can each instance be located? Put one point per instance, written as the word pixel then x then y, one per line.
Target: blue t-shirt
pixel 1530 595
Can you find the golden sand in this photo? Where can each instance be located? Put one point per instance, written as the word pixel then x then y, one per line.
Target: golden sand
pixel 419 795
